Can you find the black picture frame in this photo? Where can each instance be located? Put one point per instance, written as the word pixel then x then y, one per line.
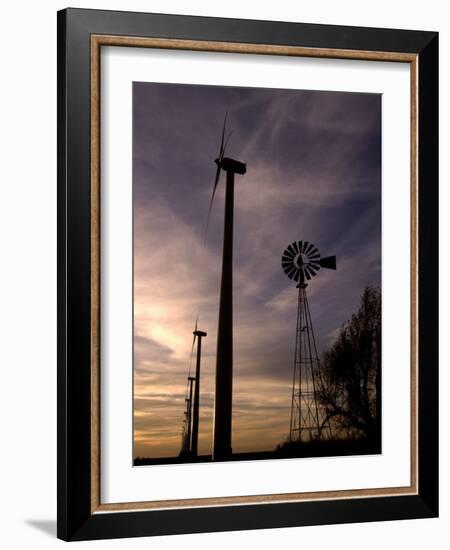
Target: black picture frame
pixel 76 521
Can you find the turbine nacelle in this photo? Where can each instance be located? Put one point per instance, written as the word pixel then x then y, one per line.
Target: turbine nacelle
pixel 197 334
pixel 231 165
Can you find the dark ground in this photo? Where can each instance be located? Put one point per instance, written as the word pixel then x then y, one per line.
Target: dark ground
pixel 287 450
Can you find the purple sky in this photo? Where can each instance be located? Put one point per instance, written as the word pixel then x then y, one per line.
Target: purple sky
pixel 313 173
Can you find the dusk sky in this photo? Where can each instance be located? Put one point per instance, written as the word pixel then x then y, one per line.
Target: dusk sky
pixel 313 173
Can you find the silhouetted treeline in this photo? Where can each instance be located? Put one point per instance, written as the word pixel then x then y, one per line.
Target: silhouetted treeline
pixel 350 388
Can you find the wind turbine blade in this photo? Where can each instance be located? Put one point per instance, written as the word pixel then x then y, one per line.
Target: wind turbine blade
pixel 192 351
pixel 193 340
pixel 225 145
pixel 219 167
pixel 328 263
pixel 222 146
pixel 216 181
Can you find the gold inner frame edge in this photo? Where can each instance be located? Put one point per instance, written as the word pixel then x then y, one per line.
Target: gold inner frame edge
pixel 97 41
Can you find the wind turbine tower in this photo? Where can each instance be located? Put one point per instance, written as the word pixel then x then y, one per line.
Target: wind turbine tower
pixel 187 422
pixel 199 334
pixel 224 366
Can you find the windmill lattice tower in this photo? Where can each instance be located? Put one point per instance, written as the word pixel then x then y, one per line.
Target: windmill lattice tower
pixel 301 261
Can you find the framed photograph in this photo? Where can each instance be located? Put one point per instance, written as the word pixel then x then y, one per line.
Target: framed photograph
pixel 247 255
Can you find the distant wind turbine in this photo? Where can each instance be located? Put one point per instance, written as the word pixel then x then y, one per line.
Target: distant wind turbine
pixel 189 445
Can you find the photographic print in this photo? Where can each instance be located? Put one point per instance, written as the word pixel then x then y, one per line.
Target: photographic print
pixel 241 210
pixel 257 273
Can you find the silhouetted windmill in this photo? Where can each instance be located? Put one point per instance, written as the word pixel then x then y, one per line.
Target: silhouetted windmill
pixel 189 442
pixel 224 365
pixel 301 260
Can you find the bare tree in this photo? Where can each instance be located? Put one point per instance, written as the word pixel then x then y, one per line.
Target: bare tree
pixel 350 372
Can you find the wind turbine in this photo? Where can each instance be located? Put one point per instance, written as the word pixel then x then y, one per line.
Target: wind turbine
pixel 224 362
pixel 199 334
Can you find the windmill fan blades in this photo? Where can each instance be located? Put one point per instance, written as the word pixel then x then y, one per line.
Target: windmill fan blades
pixel 288 265
pixel 329 262
pixel 301 261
